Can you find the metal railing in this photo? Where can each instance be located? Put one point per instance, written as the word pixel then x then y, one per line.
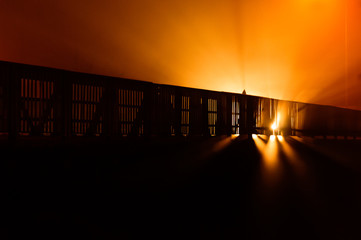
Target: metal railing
pixel 52 103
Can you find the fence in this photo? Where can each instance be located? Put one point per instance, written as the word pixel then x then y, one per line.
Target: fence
pixel 43 102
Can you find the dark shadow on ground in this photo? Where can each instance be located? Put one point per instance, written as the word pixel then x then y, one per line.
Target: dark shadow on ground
pixel 179 189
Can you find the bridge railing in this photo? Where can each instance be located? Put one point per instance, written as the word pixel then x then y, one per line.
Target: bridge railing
pixel 40 102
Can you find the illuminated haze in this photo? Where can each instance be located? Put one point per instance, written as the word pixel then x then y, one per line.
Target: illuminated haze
pixel 302 50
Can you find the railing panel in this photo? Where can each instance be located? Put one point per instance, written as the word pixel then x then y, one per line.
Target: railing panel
pixel 34 91
pixel 129 112
pixel 36 107
pixel 130 108
pixel 87 106
pixel 185 110
pixel 212 116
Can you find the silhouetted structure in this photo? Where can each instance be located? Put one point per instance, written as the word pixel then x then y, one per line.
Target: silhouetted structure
pixel 207 188
pixel 43 102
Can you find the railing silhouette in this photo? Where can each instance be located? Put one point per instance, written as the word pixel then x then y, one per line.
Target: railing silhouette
pixel 52 103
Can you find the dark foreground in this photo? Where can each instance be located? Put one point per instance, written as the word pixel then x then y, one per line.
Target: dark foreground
pixel 218 188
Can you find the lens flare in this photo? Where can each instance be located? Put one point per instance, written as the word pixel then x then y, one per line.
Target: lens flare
pixel 272 137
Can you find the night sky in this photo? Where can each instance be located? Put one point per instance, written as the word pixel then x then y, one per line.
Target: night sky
pixel 302 50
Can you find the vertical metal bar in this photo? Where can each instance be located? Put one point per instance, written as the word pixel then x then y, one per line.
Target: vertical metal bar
pixel 76 105
pixel 96 108
pixel 11 78
pixel 78 117
pixel 22 97
pixel 33 95
pixel 89 104
pixel 83 106
pixel 126 111
pixel 73 106
pixel 131 92
pixel 85 109
pixel 122 110
pixel 147 108
pixel 43 101
pixel 120 123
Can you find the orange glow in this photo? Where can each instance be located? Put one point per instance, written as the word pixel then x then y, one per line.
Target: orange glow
pixel 295 161
pixel 304 50
pixel 338 150
pixel 222 143
pixel 272 151
pixel 268 151
pixel 214 145
pixel 234 136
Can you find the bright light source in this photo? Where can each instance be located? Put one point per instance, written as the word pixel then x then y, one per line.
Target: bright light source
pixel 272 137
pixel 280 138
pixel 254 136
pixel 274 127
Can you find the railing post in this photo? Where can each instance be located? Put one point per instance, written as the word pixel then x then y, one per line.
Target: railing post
pixel 250 126
pixel 58 104
pixel 149 109
pixel 110 108
pixel 178 112
pixel 205 129
pixel 228 115
pixel 66 90
pixel 12 82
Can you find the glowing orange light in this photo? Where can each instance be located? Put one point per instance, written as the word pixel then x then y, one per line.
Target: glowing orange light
pixel 235 136
pixel 269 152
pixel 274 127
